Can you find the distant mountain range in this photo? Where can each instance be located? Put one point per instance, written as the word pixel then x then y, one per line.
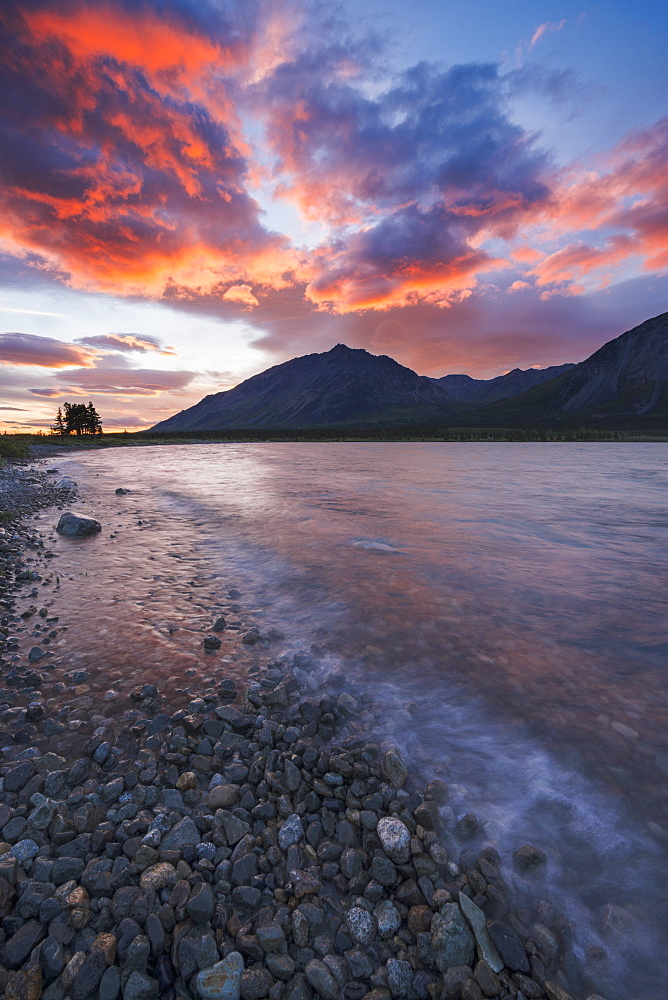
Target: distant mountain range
pixel 625 380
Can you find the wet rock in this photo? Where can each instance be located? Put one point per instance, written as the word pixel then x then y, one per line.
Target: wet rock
pixel 393 768
pixel 529 858
pixel 487 979
pixel 201 904
pixel 322 980
pixel 223 980
pixel 360 924
pixel 554 991
pixel 251 636
pixel 451 938
pixel 110 984
pixel 185 832
pixel 219 624
pixel 291 832
pixel 77 525
pixel 478 923
pixel 140 987
pixel 51 958
pixel 388 919
pixel 509 946
pixel 256 983
pixel 222 796
pixel 454 980
pixel 395 838
pixel 399 977
pixel 211 642
pixel 20 944
pixel 89 975
pixel 158 876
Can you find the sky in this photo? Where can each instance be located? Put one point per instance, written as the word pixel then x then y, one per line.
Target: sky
pixel 192 191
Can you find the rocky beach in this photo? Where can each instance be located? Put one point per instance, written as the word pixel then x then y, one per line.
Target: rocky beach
pixel 266 841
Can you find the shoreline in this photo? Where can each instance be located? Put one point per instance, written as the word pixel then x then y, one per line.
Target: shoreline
pixel 260 844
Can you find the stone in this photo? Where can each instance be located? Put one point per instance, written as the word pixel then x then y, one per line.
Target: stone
pixel 388 919
pixel 453 982
pixel 486 947
pixel 110 984
pixel 51 958
pixel 201 904
pixel 18 947
pixel 270 937
pixel 395 838
pixel 223 980
pixel 304 883
pixel 399 977
pixel 322 980
pixel 291 832
pixel 451 938
pixel 223 796
pixel 24 851
pixel 66 483
pixel 186 780
pixel 509 946
pixel 89 975
pixel 234 827
pixel 158 876
pixel 383 871
pixel 140 987
pixel 219 624
pixel 529 858
pixel 211 642
pixel 77 525
pixel 419 919
pixel 393 769
pixel 554 991
pixel 488 981
pixel 185 832
pixel 256 983
pixel 360 924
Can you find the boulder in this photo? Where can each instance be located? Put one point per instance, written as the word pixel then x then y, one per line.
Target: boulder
pixel 77 525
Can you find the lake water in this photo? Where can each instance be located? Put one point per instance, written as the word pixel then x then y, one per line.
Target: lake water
pixel 507 601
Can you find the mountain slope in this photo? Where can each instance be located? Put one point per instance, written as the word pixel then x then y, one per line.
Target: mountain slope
pixel 340 386
pixel 463 388
pixel 626 378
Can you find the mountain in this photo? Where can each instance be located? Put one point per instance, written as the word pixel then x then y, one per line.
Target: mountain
pixel 463 388
pixel 625 379
pixel 341 386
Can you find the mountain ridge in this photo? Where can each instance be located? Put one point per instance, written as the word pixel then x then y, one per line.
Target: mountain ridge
pixel 625 378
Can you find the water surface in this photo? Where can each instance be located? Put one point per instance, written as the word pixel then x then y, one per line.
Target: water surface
pixel 507 600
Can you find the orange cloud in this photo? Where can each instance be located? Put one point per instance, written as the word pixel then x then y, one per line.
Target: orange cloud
pixel 44 352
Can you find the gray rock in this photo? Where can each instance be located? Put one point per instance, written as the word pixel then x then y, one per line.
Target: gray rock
pixel 185 832
pixel 51 958
pixel 77 525
pixel 211 642
pixel 89 975
pixel 529 858
pixel 384 871
pixel 256 983
pixel 202 903
pixel 244 870
pixel 234 827
pixel 42 814
pixel 66 869
pixel 24 851
pixel 322 980
pixel 140 987
pixel 399 977
pixel 393 768
pixel 66 483
pixel 454 980
pixel 222 796
pixel 223 980
pixel 19 946
pixel 360 924
pixel 476 918
pixel 395 838
pixel 219 624
pixel 451 938
pixel 291 832
pixel 388 919
pixel 271 937
pixel 110 984
pixel 509 946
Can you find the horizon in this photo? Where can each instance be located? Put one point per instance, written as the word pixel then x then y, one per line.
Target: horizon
pixel 195 193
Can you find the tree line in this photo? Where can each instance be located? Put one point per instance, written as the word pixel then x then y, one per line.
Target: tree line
pixel 77 418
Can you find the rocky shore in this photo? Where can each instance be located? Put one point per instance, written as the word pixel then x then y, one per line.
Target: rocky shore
pixel 265 843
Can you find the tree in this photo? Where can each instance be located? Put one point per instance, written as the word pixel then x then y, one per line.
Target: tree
pixel 59 426
pixel 81 419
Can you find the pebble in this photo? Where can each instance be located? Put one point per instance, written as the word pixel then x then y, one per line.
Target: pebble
pixel 223 980
pixel 395 838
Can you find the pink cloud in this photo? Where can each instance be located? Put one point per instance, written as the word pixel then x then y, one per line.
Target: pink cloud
pixel 45 352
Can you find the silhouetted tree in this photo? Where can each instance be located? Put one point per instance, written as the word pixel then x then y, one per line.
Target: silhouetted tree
pixel 59 426
pixel 81 419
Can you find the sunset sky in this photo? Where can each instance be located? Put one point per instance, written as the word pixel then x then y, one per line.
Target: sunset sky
pixel 194 190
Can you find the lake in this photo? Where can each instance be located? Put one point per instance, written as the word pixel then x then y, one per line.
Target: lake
pixel 506 601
